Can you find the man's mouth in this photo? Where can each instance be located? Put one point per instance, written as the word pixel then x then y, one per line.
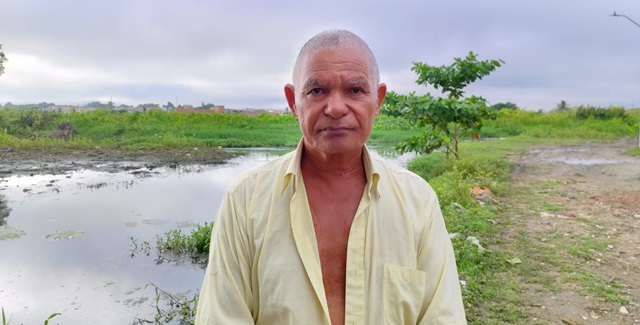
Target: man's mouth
pixel 336 129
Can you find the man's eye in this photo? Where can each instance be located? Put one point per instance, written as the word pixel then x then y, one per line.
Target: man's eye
pixel 316 91
pixel 356 90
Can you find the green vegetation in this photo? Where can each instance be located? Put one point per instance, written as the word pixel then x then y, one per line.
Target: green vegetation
pixel 444 121
pixel 170 307
pixel 34 128
pixel 197 242
pixel 564 125
pixel 156 129
pixel 6 321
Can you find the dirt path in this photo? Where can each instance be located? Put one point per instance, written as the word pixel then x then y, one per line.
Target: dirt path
pixel 576 224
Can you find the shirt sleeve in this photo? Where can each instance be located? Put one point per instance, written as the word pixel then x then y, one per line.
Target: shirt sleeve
pixel 226 296
pixel 443 297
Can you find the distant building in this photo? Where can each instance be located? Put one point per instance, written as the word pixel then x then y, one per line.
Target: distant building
pixel 257 111
pixel 69 109
pixel 218 109
pixel 186 109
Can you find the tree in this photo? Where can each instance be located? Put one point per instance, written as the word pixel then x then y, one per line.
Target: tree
pixel 3 59
pixel 562 106
pixel 96 104
pixel 508 105
pixel 170 105
pixel 445 120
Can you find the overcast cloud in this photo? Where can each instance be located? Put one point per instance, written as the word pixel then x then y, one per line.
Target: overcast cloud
pixel 241 53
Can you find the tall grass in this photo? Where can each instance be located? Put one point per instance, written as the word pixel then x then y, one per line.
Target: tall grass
pixel 172 129
pixel 560 125
pixel 166 129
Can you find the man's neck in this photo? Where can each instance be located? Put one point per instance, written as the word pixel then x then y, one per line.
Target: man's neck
pixel 327 165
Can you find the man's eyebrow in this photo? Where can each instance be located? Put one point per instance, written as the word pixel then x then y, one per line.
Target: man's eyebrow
pixel 358 82
pixel 312 83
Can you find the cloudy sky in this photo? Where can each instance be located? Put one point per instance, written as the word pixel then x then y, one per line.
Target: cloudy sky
pixel 241 53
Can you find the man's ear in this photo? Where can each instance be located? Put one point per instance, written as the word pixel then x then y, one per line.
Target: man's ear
pixel 382 93
pixel 290 94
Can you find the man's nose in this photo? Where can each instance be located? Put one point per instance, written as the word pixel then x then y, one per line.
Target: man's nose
pixel 336 105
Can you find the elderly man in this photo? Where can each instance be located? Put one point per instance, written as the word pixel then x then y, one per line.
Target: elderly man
pixel 328 234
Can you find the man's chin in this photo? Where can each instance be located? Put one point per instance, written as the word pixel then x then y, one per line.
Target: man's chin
pixel 339 147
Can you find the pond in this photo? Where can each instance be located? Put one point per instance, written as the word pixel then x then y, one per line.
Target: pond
pixel 71 243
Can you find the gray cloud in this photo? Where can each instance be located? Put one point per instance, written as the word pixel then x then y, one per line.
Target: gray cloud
pixel 241 53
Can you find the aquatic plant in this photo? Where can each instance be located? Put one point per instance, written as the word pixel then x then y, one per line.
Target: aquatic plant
pixel 170 307
pixel 195 242
pixel 6 321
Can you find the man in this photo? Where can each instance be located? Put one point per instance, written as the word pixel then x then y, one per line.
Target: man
pixel 328 234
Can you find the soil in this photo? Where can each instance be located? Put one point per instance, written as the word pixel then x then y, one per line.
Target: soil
pixel 59 161
pixel 591 192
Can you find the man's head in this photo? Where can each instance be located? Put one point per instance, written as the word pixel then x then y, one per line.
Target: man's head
pixel 336 39
pixel 335 93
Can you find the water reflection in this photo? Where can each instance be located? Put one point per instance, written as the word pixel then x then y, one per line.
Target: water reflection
pixel 97 277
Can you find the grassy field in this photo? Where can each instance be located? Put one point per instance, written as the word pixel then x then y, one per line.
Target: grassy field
pixel 492 287
pixel 35 129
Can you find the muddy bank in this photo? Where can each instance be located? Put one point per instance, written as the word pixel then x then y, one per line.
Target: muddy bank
pixel 59 161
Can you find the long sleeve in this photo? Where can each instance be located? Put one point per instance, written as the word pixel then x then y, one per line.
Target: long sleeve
pixel 443 299
pixel 226 297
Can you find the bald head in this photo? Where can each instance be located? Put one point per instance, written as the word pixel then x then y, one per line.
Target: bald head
pixel 336 40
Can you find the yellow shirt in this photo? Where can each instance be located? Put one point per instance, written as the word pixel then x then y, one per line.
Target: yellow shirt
pixel 264 265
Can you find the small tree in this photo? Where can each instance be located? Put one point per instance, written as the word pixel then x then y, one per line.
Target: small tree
pixel 508 105
pixel 562 106
pixel 444 120
pixel 3 59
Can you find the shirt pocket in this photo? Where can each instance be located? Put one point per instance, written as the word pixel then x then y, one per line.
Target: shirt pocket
pixel 403 294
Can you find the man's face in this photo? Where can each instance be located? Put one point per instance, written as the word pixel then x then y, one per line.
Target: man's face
pixel 335 99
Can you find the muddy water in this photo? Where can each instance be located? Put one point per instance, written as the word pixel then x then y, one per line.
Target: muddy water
pixel 67 243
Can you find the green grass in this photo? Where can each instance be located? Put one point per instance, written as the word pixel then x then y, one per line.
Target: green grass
pixel 6 321
pixel 196 242
pixel 593 284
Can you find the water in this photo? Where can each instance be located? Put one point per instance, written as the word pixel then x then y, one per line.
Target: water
pixel 590 162
pixel 98 278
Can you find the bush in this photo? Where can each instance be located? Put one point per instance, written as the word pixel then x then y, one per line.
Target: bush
pixel 585 112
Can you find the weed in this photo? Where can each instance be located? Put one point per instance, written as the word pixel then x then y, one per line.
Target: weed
pixel 171 307
pixel 6 321
pixel 196 242
pixel 595 285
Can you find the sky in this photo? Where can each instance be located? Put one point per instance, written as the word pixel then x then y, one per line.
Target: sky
pixel 241 53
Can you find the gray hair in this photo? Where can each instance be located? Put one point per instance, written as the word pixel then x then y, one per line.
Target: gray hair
pixel 336 39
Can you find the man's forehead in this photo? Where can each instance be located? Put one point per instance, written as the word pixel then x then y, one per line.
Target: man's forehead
pixel 349 61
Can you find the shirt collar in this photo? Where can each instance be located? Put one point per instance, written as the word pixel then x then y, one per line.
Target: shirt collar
pixel 293 174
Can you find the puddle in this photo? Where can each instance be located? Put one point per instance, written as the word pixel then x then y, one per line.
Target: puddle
pixel 589 162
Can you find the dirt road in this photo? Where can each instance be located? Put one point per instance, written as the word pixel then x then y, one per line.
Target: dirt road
pixel 577 225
